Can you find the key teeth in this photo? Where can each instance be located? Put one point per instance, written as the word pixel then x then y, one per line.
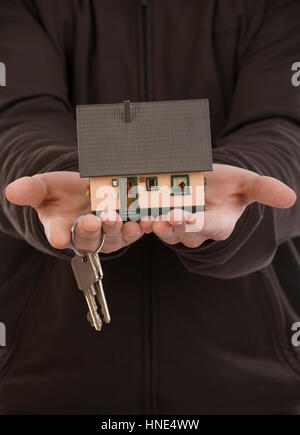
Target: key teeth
pixel 88 273
pixel 90 320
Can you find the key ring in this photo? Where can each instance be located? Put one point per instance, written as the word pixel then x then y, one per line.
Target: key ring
pixel 77 252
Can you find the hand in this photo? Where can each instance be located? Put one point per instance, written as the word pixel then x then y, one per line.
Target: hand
pixel 229 191
pixel 59 198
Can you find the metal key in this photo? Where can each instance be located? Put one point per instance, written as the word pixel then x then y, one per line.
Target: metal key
pixel 100 290
pixel 88 273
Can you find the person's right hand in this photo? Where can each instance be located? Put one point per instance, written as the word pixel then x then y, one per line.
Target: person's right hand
pixel 59 198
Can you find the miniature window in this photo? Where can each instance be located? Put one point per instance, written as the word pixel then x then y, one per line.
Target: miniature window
pixel 180 185
pixel 151 183
pixel 115 182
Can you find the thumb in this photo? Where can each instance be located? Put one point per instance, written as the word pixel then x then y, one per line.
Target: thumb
pixel 27 191
pixel 271 192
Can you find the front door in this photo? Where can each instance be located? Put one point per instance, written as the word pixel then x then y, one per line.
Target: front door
pixel 128 195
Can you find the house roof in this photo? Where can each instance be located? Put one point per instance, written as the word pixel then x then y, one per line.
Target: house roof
pixel 144 138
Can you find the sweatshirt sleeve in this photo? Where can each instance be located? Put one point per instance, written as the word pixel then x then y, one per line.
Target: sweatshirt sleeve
pixel 262 135
pixel 37 121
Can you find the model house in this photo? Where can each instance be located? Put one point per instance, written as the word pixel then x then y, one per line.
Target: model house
pixel 145 158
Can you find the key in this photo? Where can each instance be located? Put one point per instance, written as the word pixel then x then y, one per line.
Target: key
pixel 93 316
pixel 88 273
pixel 86 276
pixel 100 290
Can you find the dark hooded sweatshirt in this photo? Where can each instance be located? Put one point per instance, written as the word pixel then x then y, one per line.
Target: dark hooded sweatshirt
pixel 193 331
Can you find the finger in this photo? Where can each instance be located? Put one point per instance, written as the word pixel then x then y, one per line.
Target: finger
pixel 57 230
pixel 131 232
pixel 146 223
pixel 164 231
pixel 269 191
pixel 217 225
pixel 88 233
pixel 191 226
pixel 197 225
pixel 112 224
pixel 187 227
pixel 30 191
pixel 63 182
pixel 178 219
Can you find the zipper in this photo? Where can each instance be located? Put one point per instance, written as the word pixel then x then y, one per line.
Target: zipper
pixel 150 407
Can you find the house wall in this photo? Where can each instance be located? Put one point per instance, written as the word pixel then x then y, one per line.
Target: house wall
pixel 103 193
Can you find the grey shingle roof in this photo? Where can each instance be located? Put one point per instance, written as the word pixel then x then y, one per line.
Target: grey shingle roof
pixel 162 137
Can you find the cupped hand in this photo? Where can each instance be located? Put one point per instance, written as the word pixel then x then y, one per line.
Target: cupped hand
pixel 229 191
pixel 59 198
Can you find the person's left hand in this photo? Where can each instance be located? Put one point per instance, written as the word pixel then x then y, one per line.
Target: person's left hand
pixel 229 191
